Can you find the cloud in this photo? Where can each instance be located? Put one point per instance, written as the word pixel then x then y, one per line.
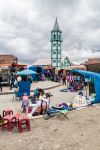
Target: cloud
pixel 26 24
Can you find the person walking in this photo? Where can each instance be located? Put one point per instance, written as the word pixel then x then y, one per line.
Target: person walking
pixel 1 83
pixel 63 79
pixel 12 81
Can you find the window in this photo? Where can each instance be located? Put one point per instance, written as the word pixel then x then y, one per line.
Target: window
pixel 58 36
pixel 59 56
pixel 54 61
pixel 54 44
pixel 58 53
pixel 58 48
pixel 54 52
pixel 58 61
pixel 54 36
pixel 59 44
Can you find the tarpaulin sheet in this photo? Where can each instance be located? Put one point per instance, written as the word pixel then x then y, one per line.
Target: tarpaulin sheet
pixel 96 77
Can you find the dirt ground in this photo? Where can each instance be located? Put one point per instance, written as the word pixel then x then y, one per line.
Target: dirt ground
pixel 79 132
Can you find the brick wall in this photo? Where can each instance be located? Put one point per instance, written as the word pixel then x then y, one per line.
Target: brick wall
pixel 93 67
pixel 93 61
pixel 8 59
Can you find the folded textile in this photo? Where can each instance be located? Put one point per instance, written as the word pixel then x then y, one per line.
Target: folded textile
pixel 60 108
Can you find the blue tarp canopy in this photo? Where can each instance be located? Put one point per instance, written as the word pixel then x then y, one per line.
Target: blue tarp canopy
pixel 35 68
pixel 38 69
pixel 96 77
pixel 26 72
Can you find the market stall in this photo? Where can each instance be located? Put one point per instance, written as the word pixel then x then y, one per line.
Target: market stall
pixel 92 76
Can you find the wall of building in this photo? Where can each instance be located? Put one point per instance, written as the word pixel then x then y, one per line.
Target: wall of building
pixel 93 67
pixel 93 61
pixel 8 59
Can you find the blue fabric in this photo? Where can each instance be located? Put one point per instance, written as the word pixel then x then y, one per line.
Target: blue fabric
pixel 97 89
pixel 78 78
pixel 52 111
pixel 36 91
pixel 87 74
pixel 43 71
pixel 34 68
pixel 60 108
pixel 26 72
pixel 96 77
pixel 24 87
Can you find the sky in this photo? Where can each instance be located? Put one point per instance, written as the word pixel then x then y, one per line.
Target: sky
pixel 25 27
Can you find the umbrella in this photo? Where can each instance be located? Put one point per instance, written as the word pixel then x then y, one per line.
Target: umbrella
pixel 26 72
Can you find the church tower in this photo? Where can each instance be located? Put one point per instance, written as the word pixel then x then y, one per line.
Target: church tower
pixel 56 48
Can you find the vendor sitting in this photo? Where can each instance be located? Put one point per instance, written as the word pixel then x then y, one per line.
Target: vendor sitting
pixel 42 104
pixel 79 100
pixel 37 92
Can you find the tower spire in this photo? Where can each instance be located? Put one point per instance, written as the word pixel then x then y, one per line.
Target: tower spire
pixel 56 26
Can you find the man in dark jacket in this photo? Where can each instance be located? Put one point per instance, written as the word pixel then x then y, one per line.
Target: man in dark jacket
pixel 0 82
pixel 12 80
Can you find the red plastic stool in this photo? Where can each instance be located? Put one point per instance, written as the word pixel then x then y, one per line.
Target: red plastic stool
pixel 9 121
pixel 23 123
pixel 29 109
pixel 7 112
